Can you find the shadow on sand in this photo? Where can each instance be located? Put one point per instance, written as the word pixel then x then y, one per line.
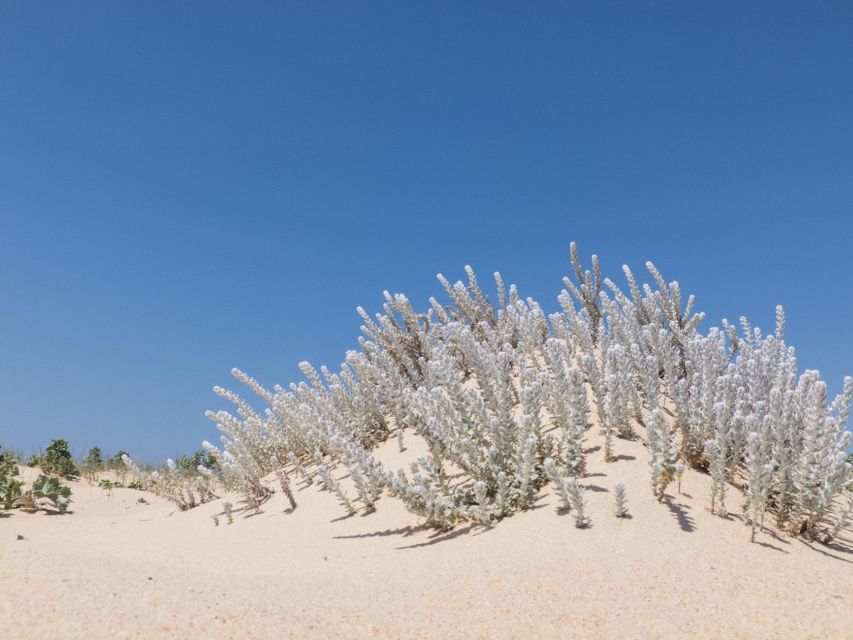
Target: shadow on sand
pixel 680 511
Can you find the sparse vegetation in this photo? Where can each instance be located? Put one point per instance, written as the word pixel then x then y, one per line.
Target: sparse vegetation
pixel 185 488
pixel 92 464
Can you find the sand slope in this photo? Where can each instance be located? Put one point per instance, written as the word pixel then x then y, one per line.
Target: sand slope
pixel 116 568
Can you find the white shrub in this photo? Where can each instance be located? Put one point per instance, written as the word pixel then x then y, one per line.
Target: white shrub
pixel 482 384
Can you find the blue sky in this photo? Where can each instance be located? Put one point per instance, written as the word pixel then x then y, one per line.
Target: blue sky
pixel 187 187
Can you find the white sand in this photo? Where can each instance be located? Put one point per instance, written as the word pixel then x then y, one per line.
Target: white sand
pixel 115 569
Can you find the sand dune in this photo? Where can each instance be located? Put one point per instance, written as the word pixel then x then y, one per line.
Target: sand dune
pixel 117 568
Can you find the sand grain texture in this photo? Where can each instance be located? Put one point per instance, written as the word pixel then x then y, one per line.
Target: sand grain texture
pixel 119 569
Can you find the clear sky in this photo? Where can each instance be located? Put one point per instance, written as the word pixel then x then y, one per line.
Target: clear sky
pixel 186 187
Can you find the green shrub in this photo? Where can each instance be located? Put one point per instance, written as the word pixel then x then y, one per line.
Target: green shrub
pixel 50 488
pixel 8 464
pixel 57 459
pixel 115 463
pixel 93 460
pixel 9 487
pixel 92 463
pixel 192 462
pixel 10 490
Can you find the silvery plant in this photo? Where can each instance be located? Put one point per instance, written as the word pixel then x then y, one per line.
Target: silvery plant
pixel 503 397
pixel 185 490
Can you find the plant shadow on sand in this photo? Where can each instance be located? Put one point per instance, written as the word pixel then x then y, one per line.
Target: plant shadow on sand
pixel 841 546
pixel 436 536
pixel 441 536
pixel 770 546
pixel 346 516
pixel 402 531
pixel 680 511
pixel 565 511
pixel 834 546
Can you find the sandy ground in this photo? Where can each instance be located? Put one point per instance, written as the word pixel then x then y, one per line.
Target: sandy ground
pixel 115 568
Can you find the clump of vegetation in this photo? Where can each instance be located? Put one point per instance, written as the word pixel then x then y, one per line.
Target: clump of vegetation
pixel 49 488
pixel 503 396
pixel 92 464
pixel 498 393
pixel 185 488
pixel 115 484
pixel 191 463
pixel 108 486
pixel 45 488
pixel 57 460
pixel 116 462
pixel 10 487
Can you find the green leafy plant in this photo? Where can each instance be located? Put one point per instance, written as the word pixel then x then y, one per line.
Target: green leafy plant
pixel 200 458
pixel 57 459
pixel 8 464
pixel 9 487
pixel 92 464
pixel 51 489
pixel 114 484
pixel 10 490
pixel 93 459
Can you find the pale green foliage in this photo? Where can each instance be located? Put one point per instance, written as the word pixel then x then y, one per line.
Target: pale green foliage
pixel 560 482
pixel 621 500
pixel 46 487
pixel 578 500
pixel 664 456
pixel 10 488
